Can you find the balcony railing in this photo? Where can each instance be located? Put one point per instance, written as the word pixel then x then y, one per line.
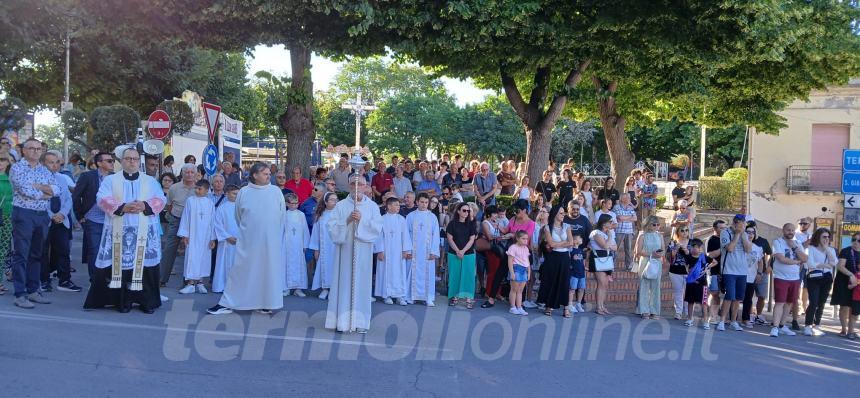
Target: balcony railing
pixel 827 179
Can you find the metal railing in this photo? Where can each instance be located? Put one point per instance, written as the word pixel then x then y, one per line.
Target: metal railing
pixel 805 178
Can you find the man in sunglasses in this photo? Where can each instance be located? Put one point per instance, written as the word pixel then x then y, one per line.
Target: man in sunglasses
pixel 735 245
pixel 91 217
pixel 802 235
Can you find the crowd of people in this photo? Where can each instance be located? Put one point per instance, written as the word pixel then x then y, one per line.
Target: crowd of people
pixel 451 223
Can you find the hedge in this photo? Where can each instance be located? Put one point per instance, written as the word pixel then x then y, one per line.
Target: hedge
pixel 720 193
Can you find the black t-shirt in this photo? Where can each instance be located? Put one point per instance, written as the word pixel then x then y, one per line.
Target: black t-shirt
pixel 545 188
pixel 848 256
pixel 611 193
pixel 461 232
pixel 679 193
pixel 679 259
pixel 565 191
pixel 714 244
pixel 404 211
pixel 580 226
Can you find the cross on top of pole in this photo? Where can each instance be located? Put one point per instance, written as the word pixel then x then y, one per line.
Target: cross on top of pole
pixel 358 107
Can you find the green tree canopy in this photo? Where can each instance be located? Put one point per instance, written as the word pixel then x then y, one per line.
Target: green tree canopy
pixel 491 130
pixel 409 124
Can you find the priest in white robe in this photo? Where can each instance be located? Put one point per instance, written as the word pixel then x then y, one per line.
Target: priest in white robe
pixel 421 271
pixel 393 250
pixel 323 246
pixel 256 280
pixel 127 263
pixel 198 236
pixel 296 241
pixel 354 226
pixel 227 234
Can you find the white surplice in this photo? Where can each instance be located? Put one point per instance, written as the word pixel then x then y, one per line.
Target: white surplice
pixel 296 239
pixel 130 222
pixel 421 270
pixel 196 224
pixel 256 280
pixel 225 227
pixel 350 295
pixel 321 242
pixel 391 272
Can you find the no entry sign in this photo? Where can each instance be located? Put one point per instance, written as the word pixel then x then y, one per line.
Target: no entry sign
pixel 158 124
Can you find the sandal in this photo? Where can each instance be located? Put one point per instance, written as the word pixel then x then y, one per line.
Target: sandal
pixel 3 290
pixel 470 304
pixel 567 313
pixel 488 304
pixel 600 312
pixel 452 302
pixel 548 312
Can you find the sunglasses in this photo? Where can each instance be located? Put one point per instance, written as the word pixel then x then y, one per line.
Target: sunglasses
pixel 653 225
pixel 804 223
pixel 469 211
pixel 292 203
pixel 856 240
pixel 4 160
pixel 109 160
pixel 683 230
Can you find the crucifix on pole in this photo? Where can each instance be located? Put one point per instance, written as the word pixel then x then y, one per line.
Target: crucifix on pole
pixel 359 108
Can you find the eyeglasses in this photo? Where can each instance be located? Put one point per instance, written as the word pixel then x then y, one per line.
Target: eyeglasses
pixel 750 232
pixel 682 230
pixel 109 160
pixel 292 203
pixel 446 193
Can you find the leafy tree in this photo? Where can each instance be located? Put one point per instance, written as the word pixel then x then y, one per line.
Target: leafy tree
pixel 52 135
pixel 642 59
pixel 181 117
pixel 337 125
pixel 77 127
pixel 410 124
pixel 570 137
pixel 112 126
pixel 491 130
pixel 13 114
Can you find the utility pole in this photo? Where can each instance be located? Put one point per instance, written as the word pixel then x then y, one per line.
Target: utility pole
pixel 66 100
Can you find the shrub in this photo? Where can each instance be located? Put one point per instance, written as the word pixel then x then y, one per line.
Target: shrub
pixel 113 125
pixel 661 201
pixel 720 193
pixel 737 174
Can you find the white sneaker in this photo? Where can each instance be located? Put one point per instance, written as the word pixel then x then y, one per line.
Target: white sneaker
pixel 807 331
pixel 286 293
pixel 572 308
pixel 774 332
pixel 541 306
pixel 388 301
pixel 201 289
pixel 677 316
pixel 299 292
pixel 786 331
pixel 721 326
pixel 164 298
pixel 522 311
pixel 188 289
pixel 737 327
pixel 748 324
pixel 514 311
pixel 372 299
pixel 324 294
pixel 579 307
pixel 431 304
pixel 816 331
pixel 688 323
pixel 706 326
pixel 529 304
pixel 401 301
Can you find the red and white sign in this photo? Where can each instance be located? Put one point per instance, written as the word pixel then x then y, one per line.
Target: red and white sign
pixel 158 124
pixel 212 113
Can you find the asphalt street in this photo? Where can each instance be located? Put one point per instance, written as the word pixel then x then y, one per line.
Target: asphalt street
pixel 60 349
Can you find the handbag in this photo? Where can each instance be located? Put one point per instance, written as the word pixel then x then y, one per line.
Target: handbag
pixel 603 264
pixel 653 269
pixel 482 244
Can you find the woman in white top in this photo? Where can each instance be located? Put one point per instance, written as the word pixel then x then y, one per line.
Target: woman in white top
pixel 585 188
pixel 523 191
pixel 819 278
pixel 557 240
pixel 601 246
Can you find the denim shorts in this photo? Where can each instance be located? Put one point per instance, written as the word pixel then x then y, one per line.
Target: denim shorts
pixel 521 274
pixel 577 283
pixel 736 286
pixel 714 284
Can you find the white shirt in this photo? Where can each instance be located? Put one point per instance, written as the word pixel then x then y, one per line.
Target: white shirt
pixel 821 260
pixel 786 272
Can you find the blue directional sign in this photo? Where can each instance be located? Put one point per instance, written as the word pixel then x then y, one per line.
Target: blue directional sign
pixel 210 159
pixel 851 183
pixel 851 160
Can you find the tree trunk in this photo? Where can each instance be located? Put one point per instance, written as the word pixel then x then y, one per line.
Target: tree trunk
pixel 539 120
pixel 613 124
pixel 298 120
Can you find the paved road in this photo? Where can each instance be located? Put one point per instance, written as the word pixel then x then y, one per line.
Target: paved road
pixel 410 352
